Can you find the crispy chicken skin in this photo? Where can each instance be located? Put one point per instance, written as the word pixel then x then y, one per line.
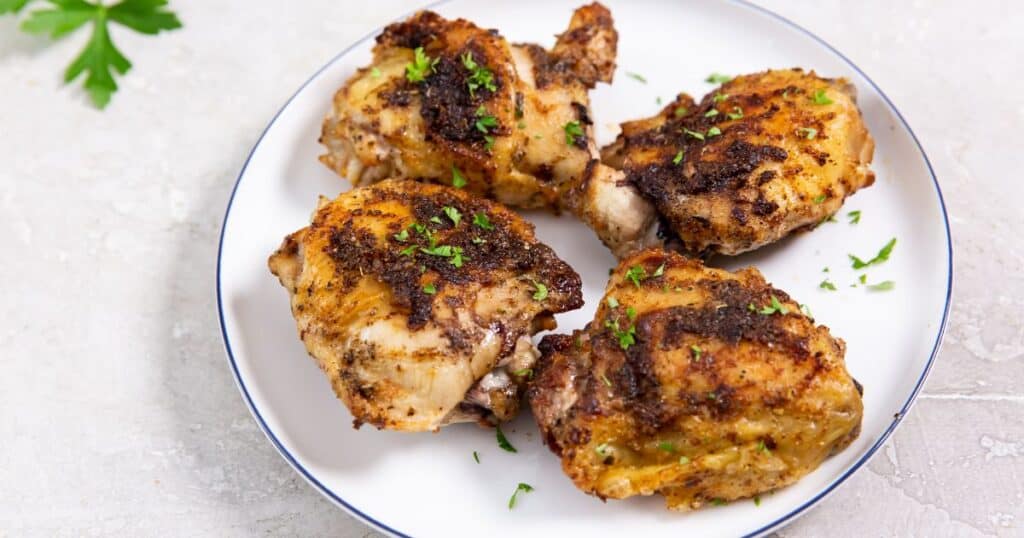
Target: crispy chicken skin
pixel 418 302
pixel 511 119
pixel 716 396
pixel 792 147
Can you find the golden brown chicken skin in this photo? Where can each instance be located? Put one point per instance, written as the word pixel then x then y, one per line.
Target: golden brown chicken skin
pixel 449 102
pixel 756 159
pixel 419 302
pixel 694 383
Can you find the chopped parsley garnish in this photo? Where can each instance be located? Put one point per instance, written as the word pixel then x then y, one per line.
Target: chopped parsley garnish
pixel 696 352
pixel 683 460
pixel 883 286
pixel 626 337
pixel 476 456
pixel 863 278
pixel 630 313
pixel 719 97
pixel 458 181
pixel 882 256
pixel 806 310
pixel 695 134
pixel 441 250
pixel 757 500
pixel 824 270
pixel 717 78
pixel 429 289
pixel 502 441
pixel 714 131
pixel 525 372
pixel 613 302
pixel 479 76
pixel 375 73
pixel 478 241
pixel 573 132
pixel 402 236
pixel 659 271
pixel 737 113
pixel 421 66
pixel 435 219
pixel 452 214
pixel 457 257
pixel 636 274
pixel 718 501
pixel 525 488
pixel 637 77
pixel 819 198
pixel 827 285
pixel 808 132
pixel 485 121
pixel 488 142
pixel 820 98
pixel 666 446
pixel 540 291
pixel 775 307
pixel 854 216
pixel 678 158
pixel 408 251
pixel 481 220
pixel 711 113
pixel 761 447
pixel 681 111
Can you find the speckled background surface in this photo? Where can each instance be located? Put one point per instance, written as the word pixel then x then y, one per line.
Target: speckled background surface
pixel 118 413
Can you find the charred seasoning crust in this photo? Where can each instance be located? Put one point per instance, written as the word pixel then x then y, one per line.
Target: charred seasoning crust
pixel 506 251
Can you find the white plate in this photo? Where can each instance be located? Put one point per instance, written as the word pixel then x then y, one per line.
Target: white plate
pixel 428 484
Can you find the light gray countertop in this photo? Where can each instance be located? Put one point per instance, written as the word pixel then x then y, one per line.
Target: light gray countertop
pixel 118 413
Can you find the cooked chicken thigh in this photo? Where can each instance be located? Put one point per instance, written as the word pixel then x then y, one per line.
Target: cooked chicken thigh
pixel 696 383
pixel 449 102
pixel 760 157
pixel 418 301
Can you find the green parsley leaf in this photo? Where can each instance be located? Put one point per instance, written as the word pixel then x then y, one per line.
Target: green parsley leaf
pixel 630 313
pixel 737 113
pixel 854 216
pixel 525 372
pixel 666 446
pixel 637 77
pixel 680 111
pixel 711 113
pixel 430 289
pixel 696 352
pixel 762 447
pixel 683 460
pixel 883 286
pixel 775 307
pixel 457 257
pixel 402 236
pixel 757 500
pixel 420 67
pixel 714 131
pixel 408 251
pixel 824 270
pixel 659 271
pixel 452 214
pixel 808 132
pixel 503 441
pixel 488 143
pixel 827 285
pixel 444 251
pixel 573 132
pixel 820 98
pixel 695 134
pixel 636 274
pixel 718 501
pixel 819 198
pixel 717 78
pixel 626 337
pixel 882 256
pixel 476 456
pixel 719 97
pixel 863 278
pixel 100 56
pixel 435 219
pixel 478 241
pixel 485 121
pixel 613 302
pixel 375 72
pixel 541 292
pixel 678 158
pixel 481 220
pixel 458 181
pixel 479 77
pixel 525 488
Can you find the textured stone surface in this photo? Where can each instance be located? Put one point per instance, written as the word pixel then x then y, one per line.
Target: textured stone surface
pixel 120 417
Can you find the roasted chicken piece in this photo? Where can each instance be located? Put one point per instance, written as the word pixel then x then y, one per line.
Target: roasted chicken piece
pixel 449 102
pixel 696 383
pixel 418 301
pixel 756 159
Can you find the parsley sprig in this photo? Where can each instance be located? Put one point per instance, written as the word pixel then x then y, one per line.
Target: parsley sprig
pixel 100 58
pixel 882 256
pixel 479 76
pixel 573 132
pixel 525 488
pixel 420 67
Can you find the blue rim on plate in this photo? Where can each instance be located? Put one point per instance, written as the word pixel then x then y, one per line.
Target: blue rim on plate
pixel 897 418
